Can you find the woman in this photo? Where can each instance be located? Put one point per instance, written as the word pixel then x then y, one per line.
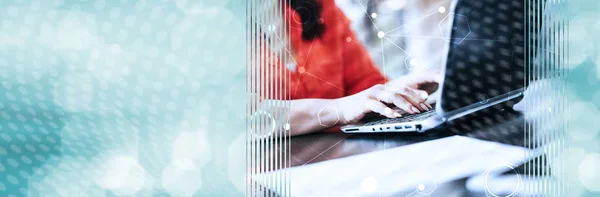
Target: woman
pixel 330 77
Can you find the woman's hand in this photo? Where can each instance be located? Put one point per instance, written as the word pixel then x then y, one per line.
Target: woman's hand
pixel 421 80
pixel 378 99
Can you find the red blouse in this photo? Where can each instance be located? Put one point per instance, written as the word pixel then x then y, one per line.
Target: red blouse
pixel 332 66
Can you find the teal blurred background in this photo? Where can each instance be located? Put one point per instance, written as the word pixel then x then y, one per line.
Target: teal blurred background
pixel 582 148
pixel 122 97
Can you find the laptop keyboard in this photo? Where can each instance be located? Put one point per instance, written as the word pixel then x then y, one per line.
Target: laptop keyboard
pixel 406 118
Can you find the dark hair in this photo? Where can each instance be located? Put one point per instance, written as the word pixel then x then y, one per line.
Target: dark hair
pixel 310 14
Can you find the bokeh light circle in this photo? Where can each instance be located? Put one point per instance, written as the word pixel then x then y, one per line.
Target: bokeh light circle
pixel 589 172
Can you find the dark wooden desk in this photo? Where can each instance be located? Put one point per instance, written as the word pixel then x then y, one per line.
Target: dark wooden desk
pixel 494 124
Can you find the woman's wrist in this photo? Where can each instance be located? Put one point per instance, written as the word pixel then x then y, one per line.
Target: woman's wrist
pixel 341 106
pixel 328 114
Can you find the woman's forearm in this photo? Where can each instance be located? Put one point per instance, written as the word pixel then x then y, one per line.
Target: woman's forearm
pixel 309 115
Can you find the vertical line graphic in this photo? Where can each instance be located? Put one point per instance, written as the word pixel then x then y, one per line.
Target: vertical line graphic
pixel 546 58
pixel 267 137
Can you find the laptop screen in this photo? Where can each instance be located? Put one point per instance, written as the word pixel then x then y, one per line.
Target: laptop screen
pixel 486 53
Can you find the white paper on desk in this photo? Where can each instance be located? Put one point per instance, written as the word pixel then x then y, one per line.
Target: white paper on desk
pixel 402 169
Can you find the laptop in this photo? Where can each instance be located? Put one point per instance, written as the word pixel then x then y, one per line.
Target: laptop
pixel 484 67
